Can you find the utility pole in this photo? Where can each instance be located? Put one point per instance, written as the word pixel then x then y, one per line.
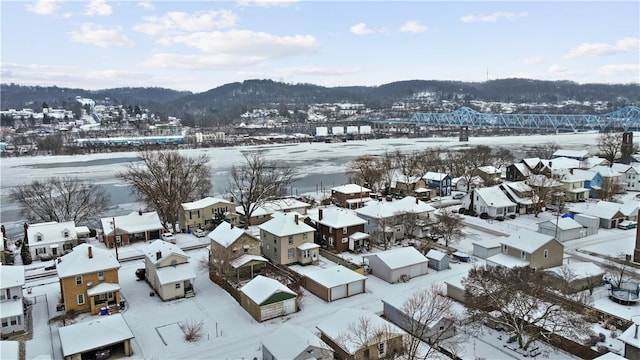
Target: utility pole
pixel 115 236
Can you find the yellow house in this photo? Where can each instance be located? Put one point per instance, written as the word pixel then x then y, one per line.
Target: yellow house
pixel 89 280
pixel 201 214
pixel 286 239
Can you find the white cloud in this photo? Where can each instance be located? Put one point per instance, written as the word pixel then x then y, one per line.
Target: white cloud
pixel 315 71
pixel 43 7
pixel 266 3
pixel 178 21
pixel 556 69
pixel 532 60
pixel 597 49
pixel 98 8
pixel 200 62
pixel 362 29
pixel 100 36
pixel 492 17
pixel 412 27
pixel 633 70
pixel 147 5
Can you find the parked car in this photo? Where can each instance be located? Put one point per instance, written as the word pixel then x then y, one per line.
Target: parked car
pixel 169 237
pixel 199 233
pixel 458 196
pixel 627 224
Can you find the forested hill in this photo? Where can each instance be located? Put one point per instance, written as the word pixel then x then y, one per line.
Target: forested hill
pixel 230 100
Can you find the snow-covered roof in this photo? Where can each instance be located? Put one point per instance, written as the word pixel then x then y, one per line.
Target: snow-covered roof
pixel 289 341
pixel 430 175
pixel 98 332
pixel 335 276
pixel 507 261
pixel 493 196
pixel 165 248
pixel 575 154
pixel 174 274
pixel 403 178
pixel 621 168
pixel 594 160
pixel 260 288
pixel 11 308
pixel 488 243
pixel 82 230
pixel 78 262
pixel 603 209
pixel 559 163
pixel 336 325
pixel 605 171
pixel 609 356
pixel 435 255
pixel 400 257
pixel 335 217
pixel 378 210
pixel 9 350
pixel 203 203
pixel 514 190
pixel 11 276
pixel 580 270
pixel 308 246
pixel 564 223
pixel 135 222
pixel 225 234
pixel 629 335
pixel 359 236
pixel 410 204
pixel 586 175
pixel 489 169
pixel 350 189
pixel 285 224
pixel 526 240
pixel 103 288
pixel 530 163
pixel 245 259
pixel 51 232
pixel 523 169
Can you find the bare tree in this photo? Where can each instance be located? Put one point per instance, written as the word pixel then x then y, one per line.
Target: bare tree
pixel 430 317
pixel 163 180
pixel 567 285
pixel 258 181
pixel 448 226
pixel 507 297
pixel 365 171
pixel 617 271
pixel 543 151
pixel 192 329
pixel 60 199
pixel 543 189
pixel 609 189
pixel 610 145
pixel 364 333
pixel 219 263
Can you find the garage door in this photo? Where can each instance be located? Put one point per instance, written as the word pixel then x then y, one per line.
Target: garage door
pixel 272 311
pixel 416 270
pixel 356 288
pixel 339 292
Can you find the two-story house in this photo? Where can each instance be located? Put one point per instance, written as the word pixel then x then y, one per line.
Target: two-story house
pixel 203 214
pixel 335 227
pixel 350 196
pixel 11 301
pixel 574 189
pixel 489 174
pixel 522 195
pixel 528 248
pixel 229 243
pixel 168 271
pixel 127 229
pixel 286 239
pixel 517 172
pixel 492 201
pixel 440 182
pixel 51 238
pixel 89 279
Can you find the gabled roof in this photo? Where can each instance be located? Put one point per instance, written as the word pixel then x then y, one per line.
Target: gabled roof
pixel 289 341
pixel 378 210
pixel 605 171
pixel 527 240
pixel 491 170
pixel 594 160
pixel 334 276
pixel 586 175
pixel 51 232
pixel 574 154
pixel 403 178
pixel 623 168
pixel 436 255
pixel 273 206
pixel 350 189
pixel 337 324
pixel 96 333
pixel 285 224
pixel 335 217
pixel 564 223
pixel 261 288
pixel 245 259
pixel 561 163
pixel 434 176
pixel 11 276
pixel 78 262
pixel 493 196
pixel 400 257
pixel 226 234
pixel 135 222
pixel 165 248
pixel 604 209
pixel 523 169
pixel 410 204
pixel 518 186
pixel 531 163
pixel 580 270
pixel 203 203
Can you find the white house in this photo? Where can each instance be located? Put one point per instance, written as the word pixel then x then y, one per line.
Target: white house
pixel 491 201
pixel 51 238
pixel 11 305
pixel 168 270
pixel 630 178
pixel 291 342
pixel 399 264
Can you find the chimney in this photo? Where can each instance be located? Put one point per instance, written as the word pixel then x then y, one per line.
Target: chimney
pixel 417 201
pixel 319 214
pixel 635 335
pixel 140 212
pixel 158 255
pixel 90 252
pixel 59 260
pixel 231 225
pixel 295 218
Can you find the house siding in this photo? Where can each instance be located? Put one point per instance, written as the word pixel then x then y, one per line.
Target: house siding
pixel 277 248
pixel 337 234
pixel 202 218
pixel 538 261
pixel 70 290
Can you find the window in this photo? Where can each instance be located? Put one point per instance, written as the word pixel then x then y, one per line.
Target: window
pixel 545 253
pixel 345 240
pixel 382 349
pixel 38 237
pixel 65 233
pixel 523 255
pixel 178 285
pixel 305 254
pixel 102 297
pixel 100 276
pixel 290 239
pixel 80 299
pixel 344 230
pixel 5 322
pixel 304 236
pixel 118 239
pixel 291 253
pixel 504 248
pixel 267 246
pixel 78 279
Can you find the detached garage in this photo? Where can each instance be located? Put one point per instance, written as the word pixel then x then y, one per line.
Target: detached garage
pixel 400 264
pixel 265 298
pixel 108 332
pixel 335 283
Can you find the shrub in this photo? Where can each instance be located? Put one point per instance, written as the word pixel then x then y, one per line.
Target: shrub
pixel 25 255
pixel 484 216
pixel 512 216
pixel 192 330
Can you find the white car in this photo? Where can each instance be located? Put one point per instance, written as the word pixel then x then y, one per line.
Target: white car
pixel 169 237
pixel 199 233
pixel 459 196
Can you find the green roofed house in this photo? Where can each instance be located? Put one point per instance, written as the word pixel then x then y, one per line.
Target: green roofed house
pixel 265 298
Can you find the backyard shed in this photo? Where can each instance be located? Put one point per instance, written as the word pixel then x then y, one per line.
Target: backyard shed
pixel 335 283
pixel 400 264
pixel 563 229
pixel 455 288
pixel 487 248
pixel 438 260
pixel 104 332
pixel 265 298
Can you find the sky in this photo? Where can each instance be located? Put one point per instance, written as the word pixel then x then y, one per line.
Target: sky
pixel 200 45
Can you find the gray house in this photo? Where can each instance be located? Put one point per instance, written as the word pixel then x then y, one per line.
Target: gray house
pixel 399 264
pixel 290 342
pixel 438 260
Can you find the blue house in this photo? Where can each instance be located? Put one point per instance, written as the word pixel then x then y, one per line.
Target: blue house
pixel 592 181
pixel 438 181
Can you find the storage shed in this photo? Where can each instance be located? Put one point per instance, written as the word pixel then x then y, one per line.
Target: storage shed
pixel 438 260
pixel 487 248
pixel 104 332
pixel 455 288
pixel 265 298
pixel 335 283
pixel 563 229
pixel 400 264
